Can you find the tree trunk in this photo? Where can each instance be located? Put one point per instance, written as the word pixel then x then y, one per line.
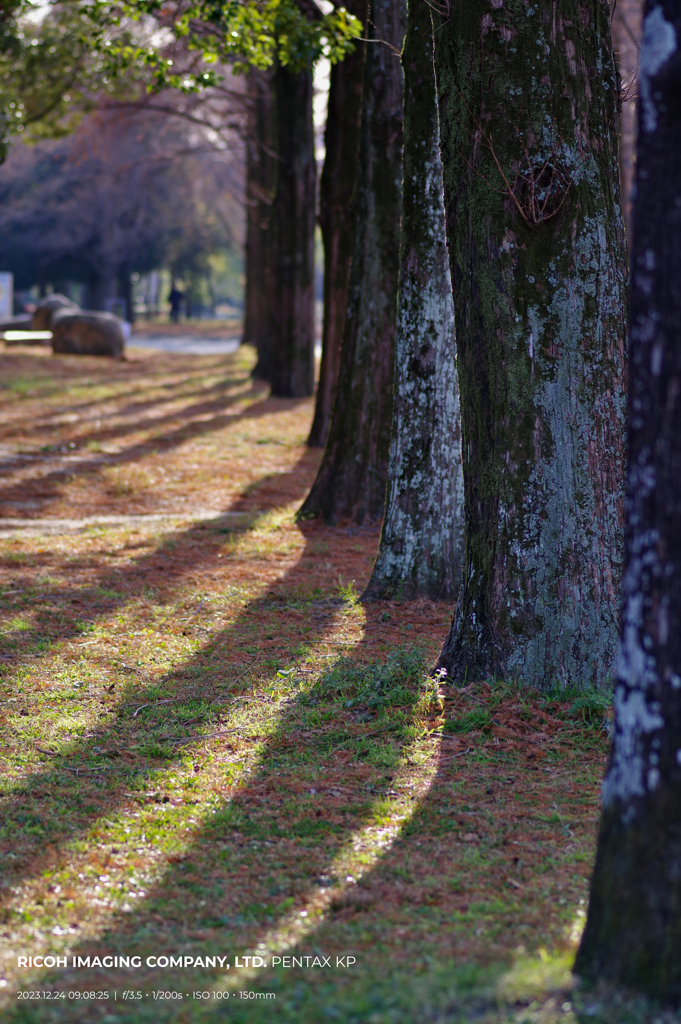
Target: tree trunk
pixel 127 293
pixel 633 931
pixel 260 185
pixel 528 125
pixel 421 550
pixel 293 221
pixel 103 288
pixel 352 477
pixel 341 140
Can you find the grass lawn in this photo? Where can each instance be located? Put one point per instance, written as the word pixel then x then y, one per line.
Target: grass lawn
pixel 212 749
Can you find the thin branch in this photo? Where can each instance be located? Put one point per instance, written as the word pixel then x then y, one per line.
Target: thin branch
pixel 444 10
pixel 380 39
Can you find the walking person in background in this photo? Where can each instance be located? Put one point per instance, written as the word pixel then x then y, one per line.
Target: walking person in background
pixel 175 298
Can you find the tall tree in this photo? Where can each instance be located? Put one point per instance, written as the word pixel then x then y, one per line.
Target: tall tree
pixel 260 183
pixel 292 233
pixel 528 123
pixel 352 477
pixel 288 36
pixel 633 930
pixel 421 550
pixel 337 186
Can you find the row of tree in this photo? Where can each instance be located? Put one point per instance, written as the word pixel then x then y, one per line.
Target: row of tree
pixel 536 339
pixel 527 102
pixel 510 373
pixel 127 192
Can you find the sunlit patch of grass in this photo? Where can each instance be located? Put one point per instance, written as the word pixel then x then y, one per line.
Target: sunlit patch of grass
pixel 29 386
pixel 342 885
pixel 533 978
pixel 17 624
pixel 163 806
pixel 125 482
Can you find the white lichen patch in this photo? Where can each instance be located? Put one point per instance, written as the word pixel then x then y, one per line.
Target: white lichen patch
pixel 636 717
pixel 633 721
pixel 422 540
pixel 569 520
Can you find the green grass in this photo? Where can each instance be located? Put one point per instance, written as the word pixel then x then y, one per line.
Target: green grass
pixel 220 749
pixel 476 719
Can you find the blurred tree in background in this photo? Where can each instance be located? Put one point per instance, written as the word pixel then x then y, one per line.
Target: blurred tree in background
pixel 127 192
pixel 109 177
pixel 68 60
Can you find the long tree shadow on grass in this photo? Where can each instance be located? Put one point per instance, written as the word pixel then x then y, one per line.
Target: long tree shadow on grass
pixel 49 483
pixel 136 376
pixel 259 862
pixel 205 406
pixel 490 867
pixel 92 774
pixel 174 391
pixel 180 554
pixel 434 912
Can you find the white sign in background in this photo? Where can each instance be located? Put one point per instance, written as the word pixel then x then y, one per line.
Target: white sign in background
pixel 6 296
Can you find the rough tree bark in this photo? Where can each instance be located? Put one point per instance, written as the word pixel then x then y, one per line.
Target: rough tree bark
pixel 352 477
pixel 260 185
pixel 633 930
pixel 528 124
pixel 421 550
pixel 293 221
pixel 337 185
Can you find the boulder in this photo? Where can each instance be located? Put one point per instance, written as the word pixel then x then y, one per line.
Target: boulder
pixel 42 318
pixel 87 333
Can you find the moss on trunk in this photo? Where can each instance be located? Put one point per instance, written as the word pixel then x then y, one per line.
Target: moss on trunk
pixel 528 122
pixel 352 477
pixel 421 550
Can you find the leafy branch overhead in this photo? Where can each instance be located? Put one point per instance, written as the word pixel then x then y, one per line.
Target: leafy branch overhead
pixel 255 33
pixel 54 69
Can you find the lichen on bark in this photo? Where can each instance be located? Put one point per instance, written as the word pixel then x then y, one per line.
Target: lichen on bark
pixel 352 477
pixel 421 549
pixel 633 929
pixel 528 121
